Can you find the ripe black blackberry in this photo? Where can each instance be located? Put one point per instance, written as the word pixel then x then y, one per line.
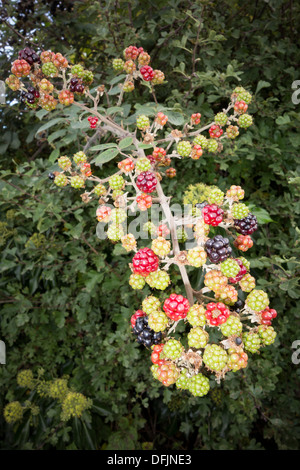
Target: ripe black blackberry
pixel 238 341
pixel 76 85
pixel 144 334
pixel 30 96
pixel 218 249
pixel 29 55
pixel 238 306
pixel 247 225
pixel 51 176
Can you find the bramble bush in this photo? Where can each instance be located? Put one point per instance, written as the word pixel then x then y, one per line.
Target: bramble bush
pixel 60 307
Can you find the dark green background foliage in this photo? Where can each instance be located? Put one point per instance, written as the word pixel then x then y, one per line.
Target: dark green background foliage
pixel 65 298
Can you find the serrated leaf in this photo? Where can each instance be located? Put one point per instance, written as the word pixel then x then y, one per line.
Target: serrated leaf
pixel 262 84
pixel 117 79
pixel 54 155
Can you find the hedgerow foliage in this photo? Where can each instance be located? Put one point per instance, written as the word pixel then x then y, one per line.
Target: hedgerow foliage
pixel 60 311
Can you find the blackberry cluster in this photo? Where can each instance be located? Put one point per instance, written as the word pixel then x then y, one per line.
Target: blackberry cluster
pixel 144 334
pixel 218 249
pixel 29 55
pixel 247 225
pixel 31 96
pixel 76 85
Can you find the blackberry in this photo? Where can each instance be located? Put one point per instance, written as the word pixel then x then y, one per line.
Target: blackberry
pixel 76 85
pixel 31 96
pixel 51 176
pixel 238 341
pixel 146 335
pixel 29 55
pixel 218 249
pixel 247 225
pixel 238 306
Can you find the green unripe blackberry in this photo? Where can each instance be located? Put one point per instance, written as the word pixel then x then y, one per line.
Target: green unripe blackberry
pixel 232 326
pixel 181 235
pixel 118 65
pixel 197 338
pixel 143 123
pixel 151 304
pixel 49 69
pixel 239 211
pixel 79 158
pixel 159 279
pixel 184 148
pixel 87 77
pixel 77 70
pixel 245 120
pixel 118 215
pixel 115 232
pixel 117 193
pixel 229 267
pixel 257 300
pixel 173 349
pixel 247 283
pixel 196 315
pixel 267 334
pixel 61 180
pixel 244 95
pixel 100 190
pixel 196 256
pixel 221 119
pixel 201 140
pixel 136 281
pixel 251 342
pixel 77 182
pixel 143 164
pixel 64 163
pixel 216 196
pixel 149 227
pixel 157 321
pixel 183 381
pixel 212 145
pixel 154 371
pixel 215 357
pixel 116 182
pixel 198 385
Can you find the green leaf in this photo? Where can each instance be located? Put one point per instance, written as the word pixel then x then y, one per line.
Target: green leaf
pixel 124 143
pixel 54 155
pixel 262 84
pixel 105 157
pixel 49 124
pixel 103 147
pixel 282 120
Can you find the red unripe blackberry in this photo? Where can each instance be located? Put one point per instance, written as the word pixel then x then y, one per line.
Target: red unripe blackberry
pixel 159 154
pixel 216 313
pixel 131 52
pixel 147 73
pixel 243 242
pixel 137 314
pixel 240 107
pixel 218 249
pixel 195 118
pixel 146 182
pixel 145 262
pixel 162 230
pixel 171 172
pixel 155 356
pixel 267 316
pixel 176 307
pixel 212 214
pixel 215 131
pixel 20 68
pixel 247 225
